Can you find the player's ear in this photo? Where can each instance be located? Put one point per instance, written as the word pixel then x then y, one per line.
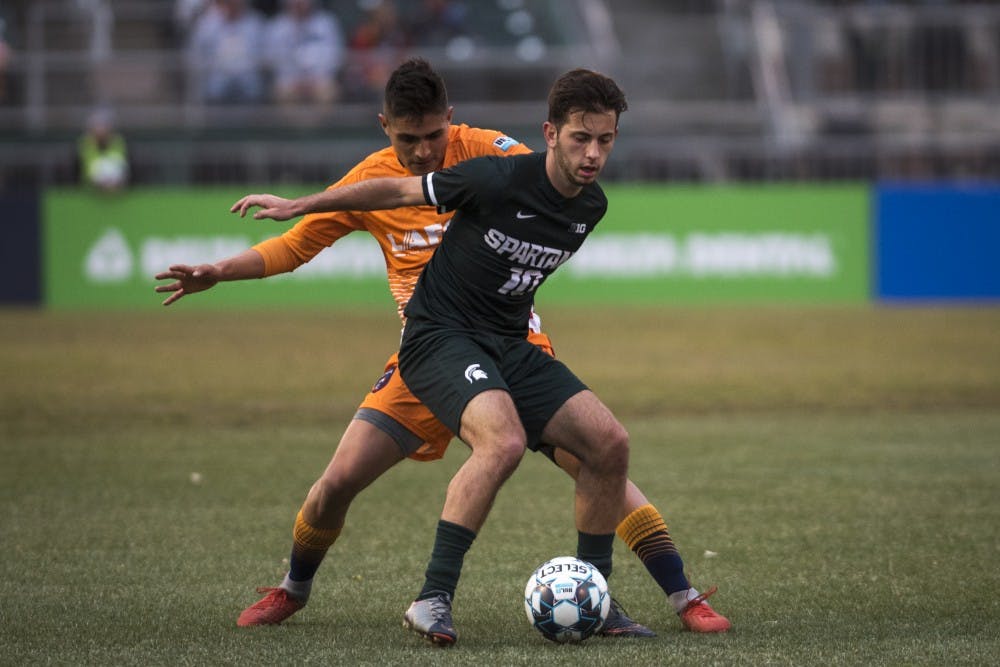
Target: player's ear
pixel 551 133
pixel 384 123
pixel 451 110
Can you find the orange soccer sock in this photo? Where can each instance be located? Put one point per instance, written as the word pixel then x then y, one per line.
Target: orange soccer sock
pixel 309 546
pixel 645 532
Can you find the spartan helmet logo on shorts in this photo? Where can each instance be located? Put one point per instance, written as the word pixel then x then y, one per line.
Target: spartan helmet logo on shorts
pixel 474 372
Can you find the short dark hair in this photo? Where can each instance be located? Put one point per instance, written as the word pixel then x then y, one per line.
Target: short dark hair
pixel 414 90
pixel 587 91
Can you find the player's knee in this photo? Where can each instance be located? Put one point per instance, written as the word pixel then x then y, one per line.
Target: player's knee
pixel 508 452
pixel 330 492
pixel 504 445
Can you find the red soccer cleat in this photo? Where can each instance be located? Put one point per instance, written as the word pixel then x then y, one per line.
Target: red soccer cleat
pixel 698 616
pixel 271 609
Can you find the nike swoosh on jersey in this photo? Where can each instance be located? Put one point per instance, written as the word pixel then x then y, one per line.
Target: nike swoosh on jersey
pixel 521 215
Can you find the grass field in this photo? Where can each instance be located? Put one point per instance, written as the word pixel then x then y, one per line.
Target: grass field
pixel 842 465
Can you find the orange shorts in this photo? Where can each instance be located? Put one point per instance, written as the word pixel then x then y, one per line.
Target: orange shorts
pixel 393 398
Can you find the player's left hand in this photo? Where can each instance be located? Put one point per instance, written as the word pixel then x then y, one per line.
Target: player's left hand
pixel 187 280
pixel 271 206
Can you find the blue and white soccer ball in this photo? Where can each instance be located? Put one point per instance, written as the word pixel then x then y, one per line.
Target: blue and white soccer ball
pixel 567 599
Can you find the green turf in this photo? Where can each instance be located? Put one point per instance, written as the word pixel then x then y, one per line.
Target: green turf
pixel 842 465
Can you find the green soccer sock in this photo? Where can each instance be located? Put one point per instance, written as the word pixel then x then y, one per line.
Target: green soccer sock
pixel 451 543
pixel 596 550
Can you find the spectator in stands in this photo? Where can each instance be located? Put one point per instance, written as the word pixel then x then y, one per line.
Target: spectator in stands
pixel 225 53
pixel 305 51
pixel 377 44
pixel 102 155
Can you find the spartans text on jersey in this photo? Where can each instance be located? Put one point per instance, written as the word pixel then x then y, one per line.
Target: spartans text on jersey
pixel 524 252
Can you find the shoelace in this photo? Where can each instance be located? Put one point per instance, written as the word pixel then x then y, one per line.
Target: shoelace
pixel 617 609
pixel 696 602
pixel 270 601
pixel 440 609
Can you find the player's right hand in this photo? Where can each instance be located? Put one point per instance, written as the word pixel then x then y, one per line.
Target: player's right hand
pixel 271 206
pixel 187 280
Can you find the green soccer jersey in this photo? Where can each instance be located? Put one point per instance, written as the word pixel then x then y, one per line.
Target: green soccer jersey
pixel 511 229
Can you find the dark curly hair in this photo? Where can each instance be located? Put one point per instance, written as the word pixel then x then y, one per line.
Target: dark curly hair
pixel 587 91
pixel 414 90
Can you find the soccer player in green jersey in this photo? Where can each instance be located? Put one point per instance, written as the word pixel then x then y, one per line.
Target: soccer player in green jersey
pixel 517 220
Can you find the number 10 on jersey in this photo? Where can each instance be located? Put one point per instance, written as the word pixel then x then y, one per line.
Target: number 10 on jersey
pixel 522 281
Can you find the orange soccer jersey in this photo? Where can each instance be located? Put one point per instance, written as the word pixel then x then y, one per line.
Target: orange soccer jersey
pixel 408 237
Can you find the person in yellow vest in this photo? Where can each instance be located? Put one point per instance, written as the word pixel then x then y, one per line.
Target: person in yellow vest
pixel 102 154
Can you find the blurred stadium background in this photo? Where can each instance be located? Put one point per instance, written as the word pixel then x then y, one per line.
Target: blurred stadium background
pixel 898 99
pixel 721 90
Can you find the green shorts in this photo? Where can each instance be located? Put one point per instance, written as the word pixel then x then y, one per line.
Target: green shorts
pixel 446 367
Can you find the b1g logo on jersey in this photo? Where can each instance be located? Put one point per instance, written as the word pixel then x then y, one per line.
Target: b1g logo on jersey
pixel 505 143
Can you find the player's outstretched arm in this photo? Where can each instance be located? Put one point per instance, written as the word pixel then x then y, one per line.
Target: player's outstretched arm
pixel 271 206
pixel 370 195
pixel 191 279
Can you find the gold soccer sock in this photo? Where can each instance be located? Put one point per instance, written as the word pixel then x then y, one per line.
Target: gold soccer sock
pixel 309 546
pixel 645 533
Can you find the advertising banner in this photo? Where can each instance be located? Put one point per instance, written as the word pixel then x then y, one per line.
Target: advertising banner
pixel 103 251
pixel 698 244
pixel 656 245
pixel 938 242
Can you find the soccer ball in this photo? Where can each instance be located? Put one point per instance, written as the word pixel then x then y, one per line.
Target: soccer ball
pixel 567 599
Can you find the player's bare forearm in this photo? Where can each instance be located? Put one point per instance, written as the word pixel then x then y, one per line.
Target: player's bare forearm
pixel 370 195
pixel 192 279
pixel 244 266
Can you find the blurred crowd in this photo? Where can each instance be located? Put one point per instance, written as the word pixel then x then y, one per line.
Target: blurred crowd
pixel 303 51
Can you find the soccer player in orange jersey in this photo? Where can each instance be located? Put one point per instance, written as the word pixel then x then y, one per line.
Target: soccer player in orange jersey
pixel 391 424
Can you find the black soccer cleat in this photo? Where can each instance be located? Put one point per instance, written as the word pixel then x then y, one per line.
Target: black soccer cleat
pixel 618 624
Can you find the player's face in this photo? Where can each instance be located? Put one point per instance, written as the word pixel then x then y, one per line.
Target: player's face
pixel 420 143
pixel 579 149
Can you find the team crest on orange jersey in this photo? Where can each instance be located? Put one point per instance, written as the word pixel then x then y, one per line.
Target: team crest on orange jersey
pixel 384 380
